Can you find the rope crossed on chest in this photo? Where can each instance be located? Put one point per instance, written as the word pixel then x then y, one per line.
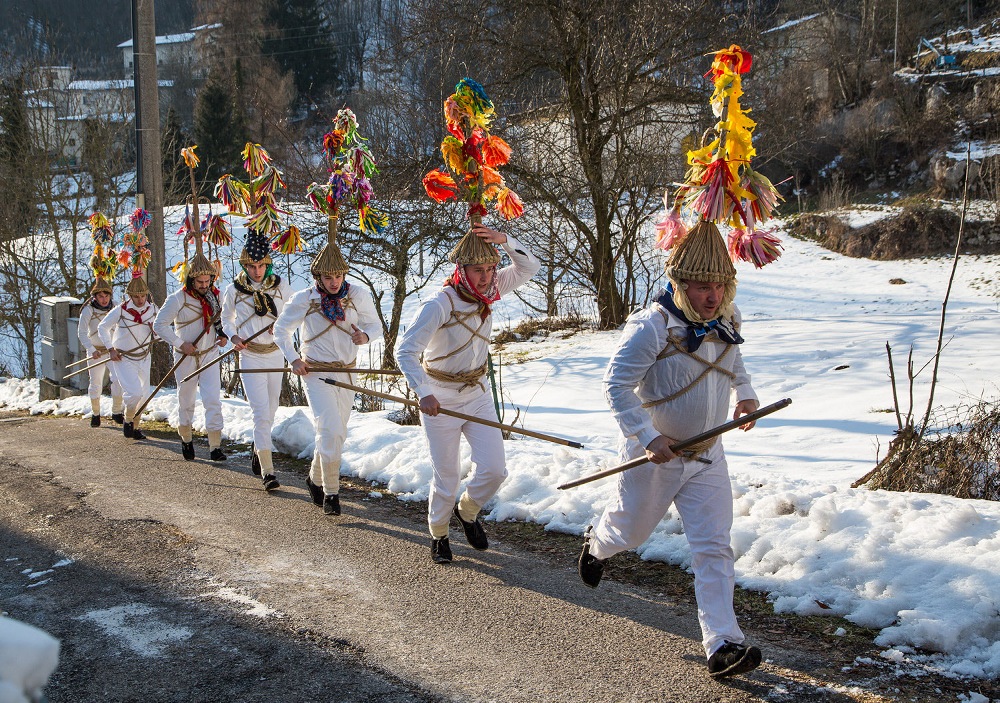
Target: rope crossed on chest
pixel 317 309
pixel 677 344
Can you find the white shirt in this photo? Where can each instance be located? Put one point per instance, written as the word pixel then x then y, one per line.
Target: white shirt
pixel 86 331
pixel 120 331
pixel 180 320
pixel 239 317
pixel 634 376
pixel 427 335
pixel 320 339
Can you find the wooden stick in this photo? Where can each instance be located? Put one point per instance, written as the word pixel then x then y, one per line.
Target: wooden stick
pixel 138 411
pixel 384 372
pixel 84 360
pixel 219 358
pixel 681 446
pixel 453 413
pixel 104 361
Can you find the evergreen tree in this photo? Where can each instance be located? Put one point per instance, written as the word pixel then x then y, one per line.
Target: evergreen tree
pixel 17 209
pixel 219 131
pixel 173 139
pixel 301 41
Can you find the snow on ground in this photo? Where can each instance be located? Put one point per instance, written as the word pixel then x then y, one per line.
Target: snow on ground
pixel 919 568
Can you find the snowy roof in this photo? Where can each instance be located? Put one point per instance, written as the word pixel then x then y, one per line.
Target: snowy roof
pixel 110 117
pixel 792 23
pixel 116 84
pixel 165 39
pixel 176 38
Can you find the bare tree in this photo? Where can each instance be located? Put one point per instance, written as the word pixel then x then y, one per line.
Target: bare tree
pixel 599 95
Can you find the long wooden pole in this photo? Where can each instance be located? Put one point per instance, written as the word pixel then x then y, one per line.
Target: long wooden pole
pixel 681 446
pixel 453 413
pixel 383 372
pixel 219 358
pixel 102 362
pixel 141 408
pixel 84 360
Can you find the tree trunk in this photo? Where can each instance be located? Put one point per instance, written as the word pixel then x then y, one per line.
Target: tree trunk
pixel 395 321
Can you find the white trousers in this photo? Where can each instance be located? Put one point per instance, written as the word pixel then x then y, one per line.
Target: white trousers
pixel 489 467
pixel 209 386
pixel 97 376
pixel 263 393
pixel 704 498
pixel 133 375
pixel 331 407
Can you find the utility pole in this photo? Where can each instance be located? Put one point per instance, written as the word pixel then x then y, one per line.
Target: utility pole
pixel 149 174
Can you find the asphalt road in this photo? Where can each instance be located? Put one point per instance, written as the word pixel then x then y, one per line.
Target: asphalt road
pixel 190 583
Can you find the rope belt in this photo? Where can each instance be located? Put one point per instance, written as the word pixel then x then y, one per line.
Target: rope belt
pixel 100 348
pixel 330 365
pixel 259 348
pixel 696 450
pixel 139 354
pixel 466 378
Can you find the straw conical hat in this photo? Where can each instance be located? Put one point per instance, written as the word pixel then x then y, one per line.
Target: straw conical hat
pixel 330 260
pixel 201 266
pixel 471 250
pixel 137 286
pixel 702 256
pixel 101 285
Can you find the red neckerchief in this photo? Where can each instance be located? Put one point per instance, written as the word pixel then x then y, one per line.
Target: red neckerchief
pixel 136 315
pixel 469 294
pixel 207 312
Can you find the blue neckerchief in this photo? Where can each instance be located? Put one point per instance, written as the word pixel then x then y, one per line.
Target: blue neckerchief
pixel 330 304
pixel 696 331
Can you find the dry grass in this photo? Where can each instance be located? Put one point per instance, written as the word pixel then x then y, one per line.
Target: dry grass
pixel 541 326
pixel 961 458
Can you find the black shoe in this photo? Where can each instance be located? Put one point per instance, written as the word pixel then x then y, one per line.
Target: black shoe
pixel 271 482
pixel 315 492
pixel 440 550
pixel 474 532
pixel 590 567
pixel 331 505
pixel 128 429
pixel 254 461
pixel 187 450
pixel 137 434
pixel 217 455
pixel 118 417
pixel 95 420
pixel 731 659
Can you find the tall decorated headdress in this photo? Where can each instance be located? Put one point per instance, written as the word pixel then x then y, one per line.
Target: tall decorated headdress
pixel 103 261
pixel 213 230
pixel 256 199
pixel 351 165
pixel 720 188
pixel 471 157
pixel 135 254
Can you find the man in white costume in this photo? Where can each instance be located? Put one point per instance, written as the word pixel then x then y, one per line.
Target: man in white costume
pixel 193 313
pixel 333 318
pixel 252 303
pixel 671 378
pixel 91 315
pixel 127 332
pixel 452 333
